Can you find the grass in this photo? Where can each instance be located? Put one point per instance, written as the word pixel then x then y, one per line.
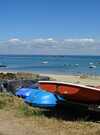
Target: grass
pixel 19 118
pixel 16 104
pixel 22 75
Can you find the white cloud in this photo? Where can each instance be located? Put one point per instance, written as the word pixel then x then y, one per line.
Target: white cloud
pixel 80 40
pixel 14 40
pixel 88 46
pixel 44 40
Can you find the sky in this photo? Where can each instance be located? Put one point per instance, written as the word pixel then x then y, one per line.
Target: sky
pixel 50 27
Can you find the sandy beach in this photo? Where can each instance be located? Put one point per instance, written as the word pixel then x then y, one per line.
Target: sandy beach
pixel 79 79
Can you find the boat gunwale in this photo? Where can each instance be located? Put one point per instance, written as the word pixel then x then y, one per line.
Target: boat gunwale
pixel 70 84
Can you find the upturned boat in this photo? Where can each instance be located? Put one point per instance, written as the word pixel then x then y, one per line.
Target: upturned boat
pixel 73 92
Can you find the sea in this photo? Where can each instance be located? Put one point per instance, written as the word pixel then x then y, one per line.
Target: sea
pixel 53 64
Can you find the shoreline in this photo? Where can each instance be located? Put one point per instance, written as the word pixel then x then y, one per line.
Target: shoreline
pixel 78 79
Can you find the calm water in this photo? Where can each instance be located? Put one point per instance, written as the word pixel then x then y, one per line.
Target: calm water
pixel 51 64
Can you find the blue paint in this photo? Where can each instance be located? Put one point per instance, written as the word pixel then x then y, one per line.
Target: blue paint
pixel 24 92
pixel 41 98
pixel 38 97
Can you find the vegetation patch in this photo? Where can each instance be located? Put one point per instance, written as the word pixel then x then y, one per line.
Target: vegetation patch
pixel 30 120
pixel 16 104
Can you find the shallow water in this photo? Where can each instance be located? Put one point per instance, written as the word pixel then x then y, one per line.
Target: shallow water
pixel 51 64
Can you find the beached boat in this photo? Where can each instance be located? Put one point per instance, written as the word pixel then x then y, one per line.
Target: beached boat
pixel 73 92
pixel 39 98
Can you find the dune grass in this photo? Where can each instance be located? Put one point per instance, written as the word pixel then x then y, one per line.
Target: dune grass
pixel 17 105
pixel 29 120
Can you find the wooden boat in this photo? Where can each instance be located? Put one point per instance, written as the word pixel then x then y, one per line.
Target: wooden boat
pixel 73 92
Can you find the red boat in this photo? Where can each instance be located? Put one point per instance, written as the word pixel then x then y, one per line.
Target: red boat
pixel 73 92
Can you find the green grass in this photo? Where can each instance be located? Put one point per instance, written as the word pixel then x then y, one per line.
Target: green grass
pixel 67 112
pixel 60 121
pixel 16 104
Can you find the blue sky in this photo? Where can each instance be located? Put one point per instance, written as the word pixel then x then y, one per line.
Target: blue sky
pixel 23 22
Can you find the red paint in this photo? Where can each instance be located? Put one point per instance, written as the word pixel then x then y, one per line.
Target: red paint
pixel 48 87
pixel 73 92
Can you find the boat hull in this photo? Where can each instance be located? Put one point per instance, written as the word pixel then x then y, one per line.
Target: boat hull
pixel 73 92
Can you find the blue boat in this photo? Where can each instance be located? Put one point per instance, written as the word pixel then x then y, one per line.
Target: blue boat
pixel 38 97
pixel 26 91
pixel 23 92
pixel 42 99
